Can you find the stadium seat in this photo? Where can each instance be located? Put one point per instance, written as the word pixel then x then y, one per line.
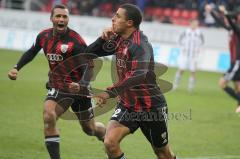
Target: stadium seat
pixel 158 12
pixel 176 13
pixel 47 7
pixel 106 9
pixel 167 12
pixel 149 11
pixel 185 14
pixel 193 14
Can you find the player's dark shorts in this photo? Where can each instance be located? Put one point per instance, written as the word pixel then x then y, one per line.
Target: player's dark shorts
pixel 233 73
pixel 81 106
pixel 153 124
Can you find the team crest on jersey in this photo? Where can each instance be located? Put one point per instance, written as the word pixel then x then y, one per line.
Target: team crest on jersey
pixel 64 48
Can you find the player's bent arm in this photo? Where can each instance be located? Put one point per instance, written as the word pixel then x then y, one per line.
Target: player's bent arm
pixel 98 48
pixel 219 20
pixel 235 27
pixel 139 73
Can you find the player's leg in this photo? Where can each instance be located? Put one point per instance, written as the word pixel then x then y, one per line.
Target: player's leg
pixel 182 66
pixel 52 138
pixel 120 125
pixel 92 128
pixel 191 82
pixel 177 78
pixel 164 152
pixel 223 83
pixel 82 107
pixel 52 110
pixel 231 75
pixel 114 134
pixel 237 89
pixel 155 130
pixel 192 78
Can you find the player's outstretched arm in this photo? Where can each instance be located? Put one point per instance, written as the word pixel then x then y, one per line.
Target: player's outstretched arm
pixel 25 58
pixel 12 74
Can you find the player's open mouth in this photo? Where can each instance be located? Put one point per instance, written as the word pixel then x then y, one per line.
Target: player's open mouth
pixel 61 26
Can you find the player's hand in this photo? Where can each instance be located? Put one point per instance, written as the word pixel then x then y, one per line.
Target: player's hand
pixel 222 9
pixel 12 74
pixel 74 87
pixel 107 33
pixel 101 99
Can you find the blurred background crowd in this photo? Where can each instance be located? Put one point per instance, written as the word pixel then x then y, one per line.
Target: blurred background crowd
pixel 177 12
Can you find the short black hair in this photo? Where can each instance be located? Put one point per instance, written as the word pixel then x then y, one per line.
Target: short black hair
pixel 61 6
pixel 133 13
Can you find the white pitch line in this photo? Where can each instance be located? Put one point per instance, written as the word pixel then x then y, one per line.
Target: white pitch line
pixel 213 157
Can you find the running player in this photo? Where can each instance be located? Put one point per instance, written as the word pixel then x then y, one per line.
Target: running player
pixel 137 90
pixel 62 47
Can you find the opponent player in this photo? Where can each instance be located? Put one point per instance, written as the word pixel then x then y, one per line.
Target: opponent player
pixel 190 41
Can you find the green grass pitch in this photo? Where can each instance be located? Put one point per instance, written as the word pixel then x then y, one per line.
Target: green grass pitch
pixel 210 126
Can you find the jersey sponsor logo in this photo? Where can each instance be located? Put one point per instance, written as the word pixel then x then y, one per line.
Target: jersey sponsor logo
pixel 54 57
pixel 64 48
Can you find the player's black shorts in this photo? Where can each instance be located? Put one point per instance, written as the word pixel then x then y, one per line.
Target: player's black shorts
pixel 153 124
pixel 233 73
pixel 81 106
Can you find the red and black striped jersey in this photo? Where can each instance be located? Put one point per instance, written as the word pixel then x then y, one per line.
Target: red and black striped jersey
pixel 136 86
pixel 233 37
pixel 233 42
pixel 63 54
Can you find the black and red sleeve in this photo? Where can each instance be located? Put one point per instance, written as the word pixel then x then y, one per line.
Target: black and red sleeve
pixel 236 29
pixel 100 47
pixel 29 54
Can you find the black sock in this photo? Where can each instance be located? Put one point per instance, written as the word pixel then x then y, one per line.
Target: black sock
pixel 52 144
pixel 121 156
pixel 232 93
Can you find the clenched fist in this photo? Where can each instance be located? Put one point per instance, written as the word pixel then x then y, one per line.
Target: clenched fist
pixel 12 74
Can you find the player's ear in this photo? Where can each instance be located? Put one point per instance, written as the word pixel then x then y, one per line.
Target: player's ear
pixel 130 23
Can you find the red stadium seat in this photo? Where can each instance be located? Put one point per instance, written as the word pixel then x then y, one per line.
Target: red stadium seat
pixel 193 14
pixel 149 11
pixel 106 9
pixel 158 12
pixel 167 12
pixel 176 13
pixel 185 14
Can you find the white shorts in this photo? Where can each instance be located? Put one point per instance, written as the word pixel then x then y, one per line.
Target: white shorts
pixel 187 63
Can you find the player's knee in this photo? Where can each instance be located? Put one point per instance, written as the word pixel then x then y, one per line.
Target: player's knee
pixel 222 83
pixel 87 129
pixel 110 145
pixel 237 88
pixel 49 117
